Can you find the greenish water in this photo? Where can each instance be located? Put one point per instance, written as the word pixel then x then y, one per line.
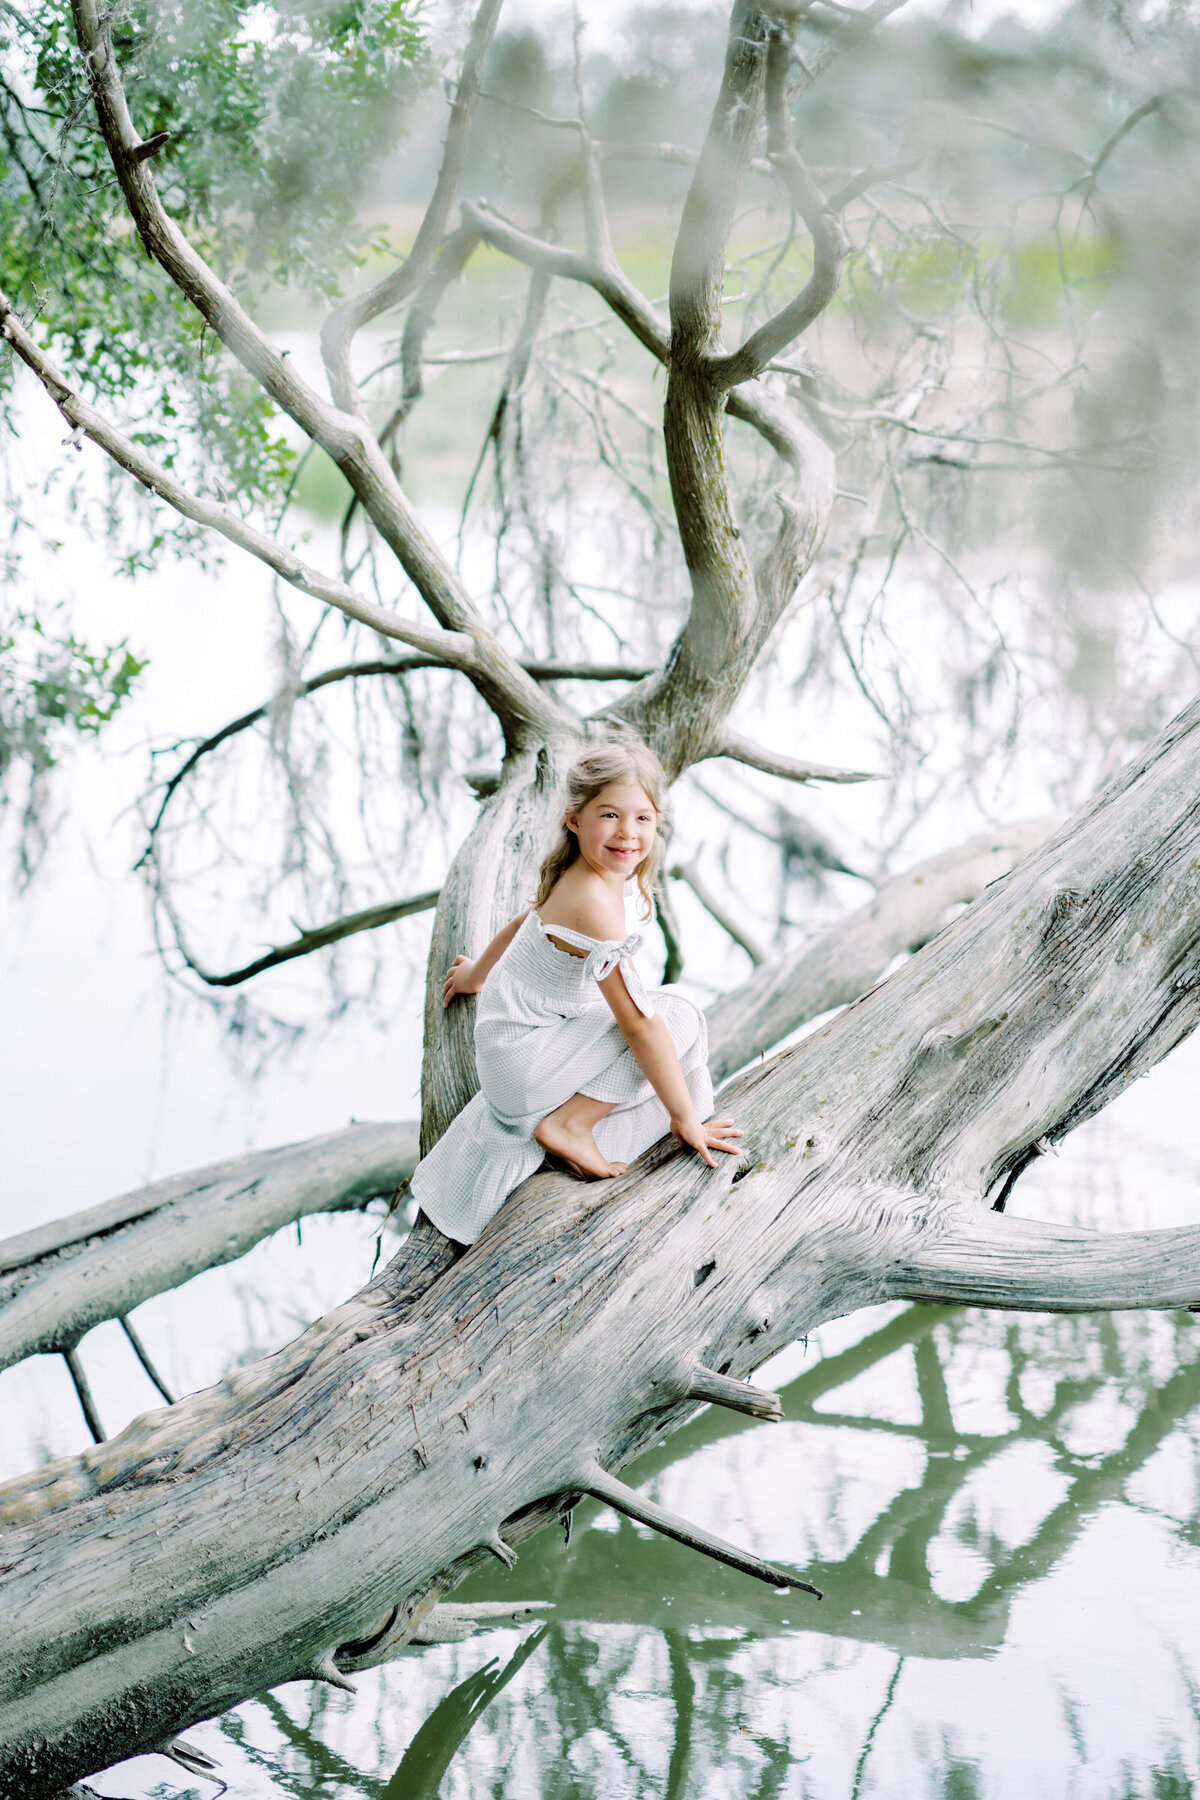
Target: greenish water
pixel 1003 1512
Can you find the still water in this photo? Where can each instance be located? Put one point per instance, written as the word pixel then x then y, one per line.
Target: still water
pixel 1003 1511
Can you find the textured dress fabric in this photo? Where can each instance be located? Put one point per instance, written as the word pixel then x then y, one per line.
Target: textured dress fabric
pixel 544 1031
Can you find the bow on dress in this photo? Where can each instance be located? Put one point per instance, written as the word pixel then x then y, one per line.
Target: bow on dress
pixel 610 955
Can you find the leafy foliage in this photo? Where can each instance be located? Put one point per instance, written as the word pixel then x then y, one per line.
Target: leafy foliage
pixel 276 119
pixel 53 688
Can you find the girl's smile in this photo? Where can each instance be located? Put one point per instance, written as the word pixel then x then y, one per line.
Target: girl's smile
pixel 616 828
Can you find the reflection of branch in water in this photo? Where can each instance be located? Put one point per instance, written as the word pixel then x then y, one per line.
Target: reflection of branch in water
pixel 876 1722
pixel 423 1766
pixel 316 1759
pixel 621 1577
pixel 683 1693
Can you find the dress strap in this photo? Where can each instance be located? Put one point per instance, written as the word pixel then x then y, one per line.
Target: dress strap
pixel 605 955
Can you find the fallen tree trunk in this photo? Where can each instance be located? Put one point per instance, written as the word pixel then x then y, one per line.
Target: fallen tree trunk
pixel 303 1517
pixel 60 1280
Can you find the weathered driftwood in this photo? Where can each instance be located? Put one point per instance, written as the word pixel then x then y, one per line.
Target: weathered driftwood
pixel 306 1514
pixel 842 963
pixel 61 1279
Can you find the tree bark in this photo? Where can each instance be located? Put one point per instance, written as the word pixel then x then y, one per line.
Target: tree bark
pixel 300 1517
pixel 60 1280
pixel 841 964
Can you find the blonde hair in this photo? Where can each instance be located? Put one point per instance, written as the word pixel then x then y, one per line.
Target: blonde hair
pixel 618 759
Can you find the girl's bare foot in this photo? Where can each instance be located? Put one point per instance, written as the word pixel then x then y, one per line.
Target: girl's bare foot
pixel 572 1141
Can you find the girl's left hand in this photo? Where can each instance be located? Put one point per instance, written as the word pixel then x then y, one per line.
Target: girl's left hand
pixel 713 1134
pixel 460 979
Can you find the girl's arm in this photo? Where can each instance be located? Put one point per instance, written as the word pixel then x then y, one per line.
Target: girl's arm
pixel 654 1051
pixel 467 977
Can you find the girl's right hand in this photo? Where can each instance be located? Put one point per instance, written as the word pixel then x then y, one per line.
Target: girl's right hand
pixel 460 979
pixel 713 1134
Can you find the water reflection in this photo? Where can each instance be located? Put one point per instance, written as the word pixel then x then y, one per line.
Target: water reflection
pixel 1003 1515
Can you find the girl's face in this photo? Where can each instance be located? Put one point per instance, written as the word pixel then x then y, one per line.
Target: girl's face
pixel 616 828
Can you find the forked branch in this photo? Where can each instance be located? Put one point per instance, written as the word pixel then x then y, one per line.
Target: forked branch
pixel 825 230
pixel 318 938
pixel 338 332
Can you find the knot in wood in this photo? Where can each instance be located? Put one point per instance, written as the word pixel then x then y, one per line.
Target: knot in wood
pixel 1061 911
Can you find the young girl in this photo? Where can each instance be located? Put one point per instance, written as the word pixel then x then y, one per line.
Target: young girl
pixel 575 1059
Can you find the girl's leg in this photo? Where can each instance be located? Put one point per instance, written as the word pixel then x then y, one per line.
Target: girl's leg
pixel 567 1132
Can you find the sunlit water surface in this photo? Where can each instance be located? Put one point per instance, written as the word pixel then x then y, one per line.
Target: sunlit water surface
pixel 1003 1512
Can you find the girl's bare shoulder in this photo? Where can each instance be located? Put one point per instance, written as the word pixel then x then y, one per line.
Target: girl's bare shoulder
pixel 585 907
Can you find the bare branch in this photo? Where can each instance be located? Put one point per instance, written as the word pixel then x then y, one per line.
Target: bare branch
pixel 87 1403
pixel 828 238
pixel 449 266
pixel 532 112
pixel 860 25
pixel 545 670
pixel 787 436
pixel 60 1280
pixel 609 280
pixel 740 749
pixel 606 1487
pixel 873 177
pixel 992 1259
pixel 698 264
pixel 688 873
pixel 453 649
pixel 319 938
pixel 337 334
pixel 722 1390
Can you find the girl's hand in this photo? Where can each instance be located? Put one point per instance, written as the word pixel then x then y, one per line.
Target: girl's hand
pixel 460 979
pixel 713 1134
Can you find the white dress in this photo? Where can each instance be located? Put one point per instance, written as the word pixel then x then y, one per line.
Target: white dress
pixel 544 1031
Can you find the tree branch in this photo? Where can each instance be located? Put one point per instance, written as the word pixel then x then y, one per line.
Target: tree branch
pixel 319 938
pixel 688 873
pixel 166 244
pixel 825 229
pixel 609 279
pixel 339 329
pixel 522 711
pixel 596 1481
pixel 789 768
pixel 993 1259
pixel 451 649
pixel 545 669
pixel 61 1279
pixel 858 26
pixel 780 428
pixel 845 960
